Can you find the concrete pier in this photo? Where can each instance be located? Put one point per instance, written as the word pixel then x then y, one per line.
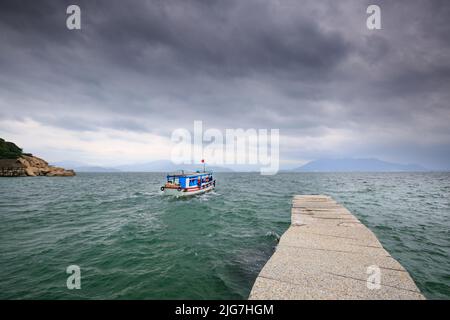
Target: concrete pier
pixel 327 253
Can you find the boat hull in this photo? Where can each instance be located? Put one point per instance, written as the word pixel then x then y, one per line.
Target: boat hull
pixel 187 192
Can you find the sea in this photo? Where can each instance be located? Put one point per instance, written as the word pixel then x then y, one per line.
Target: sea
pixel 129 241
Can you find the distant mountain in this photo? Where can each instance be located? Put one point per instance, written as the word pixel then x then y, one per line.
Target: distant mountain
pixel 360 165
pixel 83 167
pixel 154 166
pixel 95 169
pixel 167 166
pixel 69 164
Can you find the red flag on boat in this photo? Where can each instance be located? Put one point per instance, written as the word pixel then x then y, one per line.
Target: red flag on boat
pixel 203 160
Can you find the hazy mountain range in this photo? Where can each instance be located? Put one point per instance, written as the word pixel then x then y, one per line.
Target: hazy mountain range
pixel 356 165
pixel 321 165
pixel 153 166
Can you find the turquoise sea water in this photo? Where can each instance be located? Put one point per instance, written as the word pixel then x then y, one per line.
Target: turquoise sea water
pixel 133 243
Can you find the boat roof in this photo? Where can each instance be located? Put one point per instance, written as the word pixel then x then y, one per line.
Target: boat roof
pixel 188 174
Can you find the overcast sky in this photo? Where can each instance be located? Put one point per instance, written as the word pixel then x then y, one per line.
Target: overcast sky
pixel 112 92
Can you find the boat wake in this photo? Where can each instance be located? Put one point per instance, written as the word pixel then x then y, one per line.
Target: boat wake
pixel 208 196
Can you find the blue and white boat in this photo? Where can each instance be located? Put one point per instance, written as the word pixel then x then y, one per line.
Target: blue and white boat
pixel 187 184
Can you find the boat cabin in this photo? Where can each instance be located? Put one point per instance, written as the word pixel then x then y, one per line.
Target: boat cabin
pixel 189 180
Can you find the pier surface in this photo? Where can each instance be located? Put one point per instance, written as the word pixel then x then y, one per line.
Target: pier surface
pixel 327 253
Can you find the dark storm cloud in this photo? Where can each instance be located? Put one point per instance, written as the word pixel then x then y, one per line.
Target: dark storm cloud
pixel 306 67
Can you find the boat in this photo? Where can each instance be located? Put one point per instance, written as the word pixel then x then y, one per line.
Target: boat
pixel 187 184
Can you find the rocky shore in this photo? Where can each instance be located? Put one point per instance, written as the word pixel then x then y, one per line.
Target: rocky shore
pixel 31 166
pixel 14 163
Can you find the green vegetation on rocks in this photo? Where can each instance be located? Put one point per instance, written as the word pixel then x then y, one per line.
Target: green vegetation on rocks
pixel 9 150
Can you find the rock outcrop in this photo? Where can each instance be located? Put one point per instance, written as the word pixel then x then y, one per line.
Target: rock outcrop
pixel 32 166
pixel 11 168
pixel 15 163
